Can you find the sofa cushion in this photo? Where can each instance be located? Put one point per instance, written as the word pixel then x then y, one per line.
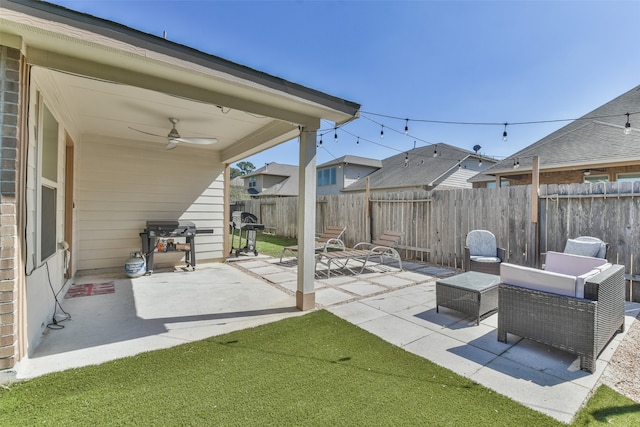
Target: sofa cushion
pixel 485 259
pixel 540 280
pixel 573 265
pixel 581 247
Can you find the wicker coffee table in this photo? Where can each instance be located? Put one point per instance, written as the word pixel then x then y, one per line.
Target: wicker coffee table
pixel 471 293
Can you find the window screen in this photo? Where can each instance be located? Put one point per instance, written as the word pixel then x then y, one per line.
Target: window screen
pixel 48 222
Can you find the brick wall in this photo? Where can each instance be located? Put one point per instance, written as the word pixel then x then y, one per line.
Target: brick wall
pixel 9 272
pixel 565 177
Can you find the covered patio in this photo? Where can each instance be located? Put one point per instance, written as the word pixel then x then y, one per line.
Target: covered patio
pixel 112 128
pixel 174 307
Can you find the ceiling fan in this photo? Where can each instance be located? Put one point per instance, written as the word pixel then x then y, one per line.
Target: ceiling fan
pixel 175 138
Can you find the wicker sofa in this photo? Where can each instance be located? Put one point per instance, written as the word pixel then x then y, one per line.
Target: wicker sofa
pixel 577 313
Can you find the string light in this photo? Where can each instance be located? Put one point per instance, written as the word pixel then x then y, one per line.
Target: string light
pixel 335 134
pixel 627 129
pixel 516 163
pixel 530 122
pixel 406 160
pixel 480 163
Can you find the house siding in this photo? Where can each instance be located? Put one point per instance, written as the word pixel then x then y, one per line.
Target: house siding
pixel 10 61
pixel 121 185
pixel 45 280
pixel 458 178
pixel 354 173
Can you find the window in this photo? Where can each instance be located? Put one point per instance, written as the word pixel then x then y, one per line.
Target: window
pixel 628 177
pixel 48 185
pixel 503 183
pixel 326 177
pixel 252 182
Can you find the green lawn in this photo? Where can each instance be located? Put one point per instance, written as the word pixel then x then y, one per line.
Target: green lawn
pixel 314 369
pixel 268 244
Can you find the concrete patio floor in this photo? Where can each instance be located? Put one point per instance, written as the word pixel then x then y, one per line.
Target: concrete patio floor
pixel 175 307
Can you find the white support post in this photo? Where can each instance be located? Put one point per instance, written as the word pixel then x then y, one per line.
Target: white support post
pixel 305 295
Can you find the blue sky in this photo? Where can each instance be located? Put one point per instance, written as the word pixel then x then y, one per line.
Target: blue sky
pixel 458 61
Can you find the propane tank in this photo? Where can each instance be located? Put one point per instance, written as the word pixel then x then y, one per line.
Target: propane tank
pixel 135 266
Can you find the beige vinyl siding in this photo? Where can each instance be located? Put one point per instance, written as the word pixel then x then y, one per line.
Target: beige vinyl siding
pixel 352 173
pixel 42 277
pixel 123 184
pixel 459 176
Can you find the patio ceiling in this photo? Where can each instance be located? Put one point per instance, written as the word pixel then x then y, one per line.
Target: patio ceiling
pixel 101 108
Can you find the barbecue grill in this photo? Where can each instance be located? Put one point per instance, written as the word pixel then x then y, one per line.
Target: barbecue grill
pixel 248 223
pixel 167 229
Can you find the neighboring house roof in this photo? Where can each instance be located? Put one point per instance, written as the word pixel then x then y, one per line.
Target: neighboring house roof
pixel 421 170
pixel 594 140
pixel 236 182
pixel 352 160
pixel 274 169
pixel 286 187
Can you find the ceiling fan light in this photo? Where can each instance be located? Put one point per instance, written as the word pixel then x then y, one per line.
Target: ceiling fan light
pixel 172 144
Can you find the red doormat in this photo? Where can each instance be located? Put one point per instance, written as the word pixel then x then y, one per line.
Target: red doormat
pixel 88 289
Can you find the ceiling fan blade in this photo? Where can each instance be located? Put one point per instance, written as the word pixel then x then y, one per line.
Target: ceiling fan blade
pixel 199 141
pixel 147 133
pixel 172 144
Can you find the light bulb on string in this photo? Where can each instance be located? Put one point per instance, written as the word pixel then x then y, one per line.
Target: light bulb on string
pixel 358 140
pixel 320 143
pixel 406 127
pixel 435 150
pixel 504 134
pixel 382 132
pixel 480 163
pixel 406 160
pixel 459 164
pixel 627 126
pixel 335 134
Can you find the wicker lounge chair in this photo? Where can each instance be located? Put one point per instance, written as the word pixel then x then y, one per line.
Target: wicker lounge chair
pixel 381 248
pixel 329 239
pixel 481 252
pixel 581 325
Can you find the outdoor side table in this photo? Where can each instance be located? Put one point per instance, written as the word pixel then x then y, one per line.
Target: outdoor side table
pixel 472 293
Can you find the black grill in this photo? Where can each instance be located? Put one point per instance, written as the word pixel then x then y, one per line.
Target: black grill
pixel 164 229
pixel 247 223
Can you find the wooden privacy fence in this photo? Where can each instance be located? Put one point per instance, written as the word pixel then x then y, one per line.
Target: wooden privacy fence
pixel 435 223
